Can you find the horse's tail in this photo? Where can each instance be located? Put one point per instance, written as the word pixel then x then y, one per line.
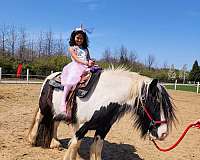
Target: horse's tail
pixel 45 132
pixel 45 127
pixel 33 121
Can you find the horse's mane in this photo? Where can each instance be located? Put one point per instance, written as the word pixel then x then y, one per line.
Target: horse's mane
pixel 119 70
pixel 137 81
pixel 138 88
pixel 123 71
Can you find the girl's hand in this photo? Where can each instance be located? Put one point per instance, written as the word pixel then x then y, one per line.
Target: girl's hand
pixel 91 63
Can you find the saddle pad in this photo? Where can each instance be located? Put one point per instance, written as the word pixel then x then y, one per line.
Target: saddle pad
pixel 56 84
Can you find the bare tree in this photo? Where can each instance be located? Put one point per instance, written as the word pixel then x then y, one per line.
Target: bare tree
pixel 12 39
pixel 3 37
pixel 123 54
pixel 132 57
pixel 31 47
pixel 107 55
pixel 40 45
pixel 22 44
pixel 165 65
pixel 49 42
pixel 19 43
pixel 150 61
pixel 60 45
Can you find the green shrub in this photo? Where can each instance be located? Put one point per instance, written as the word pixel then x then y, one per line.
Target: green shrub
pixel 44 65
pixel 8 64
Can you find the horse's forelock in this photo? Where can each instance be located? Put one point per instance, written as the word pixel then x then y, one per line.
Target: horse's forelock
pixel 168 106
pixel 166 103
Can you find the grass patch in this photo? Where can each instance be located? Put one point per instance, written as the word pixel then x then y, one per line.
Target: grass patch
pixel 183 88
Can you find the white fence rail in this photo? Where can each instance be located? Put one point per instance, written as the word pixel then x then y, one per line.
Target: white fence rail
pixel 24 78
pixel 175 85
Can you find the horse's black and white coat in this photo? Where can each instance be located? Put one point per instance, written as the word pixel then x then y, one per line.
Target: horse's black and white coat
pixel 117 92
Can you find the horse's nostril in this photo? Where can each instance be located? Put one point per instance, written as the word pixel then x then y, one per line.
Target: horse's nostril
pixel 164 135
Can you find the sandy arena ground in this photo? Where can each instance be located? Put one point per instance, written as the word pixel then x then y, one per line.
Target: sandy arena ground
pixel 17 107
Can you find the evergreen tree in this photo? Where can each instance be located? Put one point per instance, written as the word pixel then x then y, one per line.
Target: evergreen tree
pixel 195 72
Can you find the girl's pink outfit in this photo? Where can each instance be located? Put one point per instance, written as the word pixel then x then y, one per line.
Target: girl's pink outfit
pixel 71 74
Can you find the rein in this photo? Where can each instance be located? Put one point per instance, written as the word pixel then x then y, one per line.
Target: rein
pixel 196 124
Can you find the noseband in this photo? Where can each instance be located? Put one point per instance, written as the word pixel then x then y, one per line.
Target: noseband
pixel 153 122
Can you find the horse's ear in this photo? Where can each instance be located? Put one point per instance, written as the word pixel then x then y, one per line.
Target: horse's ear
pixel 154 82
pixel 153 86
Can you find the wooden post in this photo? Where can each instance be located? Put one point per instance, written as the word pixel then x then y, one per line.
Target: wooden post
pixel 175 84
pixel 197 87
pixel 27 75
pixel 51 72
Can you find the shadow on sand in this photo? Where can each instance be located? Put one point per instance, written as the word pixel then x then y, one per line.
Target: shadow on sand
pixel 111 151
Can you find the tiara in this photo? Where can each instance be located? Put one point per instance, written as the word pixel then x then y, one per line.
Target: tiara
pixel 81 28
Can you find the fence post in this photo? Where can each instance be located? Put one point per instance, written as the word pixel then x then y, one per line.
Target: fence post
pixel 175 84
pixel 27 75
pixel 0 73
pixel 197 87
pixel 51 72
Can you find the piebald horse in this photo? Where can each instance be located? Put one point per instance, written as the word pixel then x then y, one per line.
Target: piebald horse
pixel 117 92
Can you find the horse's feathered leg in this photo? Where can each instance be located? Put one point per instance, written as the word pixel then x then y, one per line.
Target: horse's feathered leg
pixel 96 148
pixel 93 150
pixel 99 147
pixel 34 128
pixel 55 142
pixel 71 153
pixel 73 145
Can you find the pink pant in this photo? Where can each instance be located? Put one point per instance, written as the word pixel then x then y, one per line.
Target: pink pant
pixel 70 76
pixel 71 73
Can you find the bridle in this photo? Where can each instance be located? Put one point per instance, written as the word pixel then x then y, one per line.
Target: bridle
pixel 153 122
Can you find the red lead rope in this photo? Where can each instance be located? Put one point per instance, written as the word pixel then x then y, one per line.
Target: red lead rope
pixel 195 124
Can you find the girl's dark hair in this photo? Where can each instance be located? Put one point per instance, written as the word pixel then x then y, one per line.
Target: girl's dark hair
pixel 85 39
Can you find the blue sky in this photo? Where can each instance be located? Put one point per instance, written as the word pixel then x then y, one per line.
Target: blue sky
pixel 167 29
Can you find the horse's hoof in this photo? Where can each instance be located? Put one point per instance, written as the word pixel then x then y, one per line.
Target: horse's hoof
pixel 55 144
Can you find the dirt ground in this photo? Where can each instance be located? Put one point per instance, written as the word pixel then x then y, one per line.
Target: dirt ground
pixel 17 107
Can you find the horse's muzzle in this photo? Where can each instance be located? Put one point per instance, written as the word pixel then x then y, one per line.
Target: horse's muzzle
pixel 163 136
pixel 154 135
